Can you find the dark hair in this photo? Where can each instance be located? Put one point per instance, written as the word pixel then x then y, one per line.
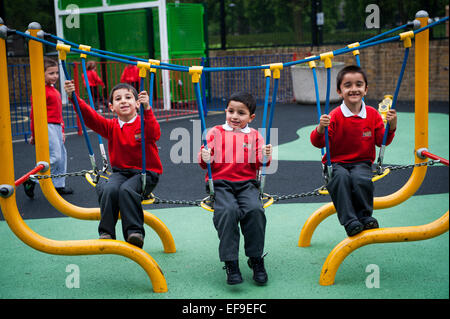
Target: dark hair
pixel 246 98
pixel 48 62
pixel 349 69
pixel 123 86
pixel 90 65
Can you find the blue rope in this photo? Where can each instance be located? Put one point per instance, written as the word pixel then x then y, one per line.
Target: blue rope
pixel 80 116
pixel 198 96
pixel 181 67
pixel 269 125
pixel 91 101
pixel 327 106
pixel 266 105
pixel 394 102
pixel 384 33
pixel 319 111
pixel 144 164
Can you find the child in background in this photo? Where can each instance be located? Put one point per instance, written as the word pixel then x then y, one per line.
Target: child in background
pixel 354 129
pixel 94 82
pixel 235 152
pixel 130 75
pixel 56 136
pixel 123 190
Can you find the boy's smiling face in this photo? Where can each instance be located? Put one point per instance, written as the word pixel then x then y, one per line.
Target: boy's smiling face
pixel 238 115
pixel 124 104
pixel 352 89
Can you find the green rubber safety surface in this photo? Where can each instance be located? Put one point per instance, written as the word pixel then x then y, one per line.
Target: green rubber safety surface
pixel 407 270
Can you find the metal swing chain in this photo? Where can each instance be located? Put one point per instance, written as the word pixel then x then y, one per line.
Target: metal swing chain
pixel 316 192
pixel 80 173
pixel 177 201
pixel 400 167
pixel 276 198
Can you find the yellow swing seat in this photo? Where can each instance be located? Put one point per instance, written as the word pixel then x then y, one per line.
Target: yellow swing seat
pixel 324 191
pixel 90 178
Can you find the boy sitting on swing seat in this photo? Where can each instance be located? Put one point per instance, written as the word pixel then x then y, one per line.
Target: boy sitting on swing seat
pixel 235 152
pixel 123 190
pixel 354 129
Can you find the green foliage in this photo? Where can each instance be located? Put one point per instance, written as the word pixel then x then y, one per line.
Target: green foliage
pixel 20 13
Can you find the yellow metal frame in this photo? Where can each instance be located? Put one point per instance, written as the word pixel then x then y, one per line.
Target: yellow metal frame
pixel 9 204
pixel 354 45
pixel 395 234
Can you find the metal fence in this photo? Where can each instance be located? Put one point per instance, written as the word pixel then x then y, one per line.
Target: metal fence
pixel 216 88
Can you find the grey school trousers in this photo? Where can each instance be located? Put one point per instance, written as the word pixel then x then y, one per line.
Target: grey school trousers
pixel 123 192
pixel 238 203
pixel 351 189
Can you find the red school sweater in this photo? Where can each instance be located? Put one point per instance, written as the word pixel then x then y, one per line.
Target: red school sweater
pixel 235 156
pixel 124 144
pixel 93 78
pixel 130 74
pixel 54 108
pixel 352 139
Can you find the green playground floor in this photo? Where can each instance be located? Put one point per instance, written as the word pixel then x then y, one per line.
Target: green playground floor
pixel 407 270
pixel 411 270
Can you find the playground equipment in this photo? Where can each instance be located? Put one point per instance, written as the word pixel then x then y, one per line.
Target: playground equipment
pixel 83 247
pixel 8 201
pixel 395 234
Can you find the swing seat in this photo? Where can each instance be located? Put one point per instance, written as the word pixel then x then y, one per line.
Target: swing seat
pixel 91 177
pixel 208 203
pixel 323 190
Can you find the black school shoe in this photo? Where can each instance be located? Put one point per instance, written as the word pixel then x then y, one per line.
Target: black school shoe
pixel 136 239
pixel 28 186
pixel 64 190
pixel 370 223
pixel 259 272
pixel 233 273
pixel 354 228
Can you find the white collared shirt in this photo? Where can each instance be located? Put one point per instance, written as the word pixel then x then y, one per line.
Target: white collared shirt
pixel 347 113
pixel 121 123
pixel 227 127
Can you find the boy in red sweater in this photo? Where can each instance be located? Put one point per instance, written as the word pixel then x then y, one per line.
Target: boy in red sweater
pixel 235 152
pixel 94 82
pixel 353 129
pixel 56 136
pixel 130 75
pixel 123 190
